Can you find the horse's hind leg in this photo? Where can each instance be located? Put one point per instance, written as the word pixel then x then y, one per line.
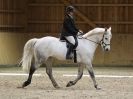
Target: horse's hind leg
pixel 28 81
pixel 79 76
pixel 49 72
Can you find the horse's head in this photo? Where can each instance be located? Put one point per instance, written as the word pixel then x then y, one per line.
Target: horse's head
pixel 105 42
pixel 104 38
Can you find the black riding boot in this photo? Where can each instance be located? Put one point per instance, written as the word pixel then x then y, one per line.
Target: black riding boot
pixel 69 51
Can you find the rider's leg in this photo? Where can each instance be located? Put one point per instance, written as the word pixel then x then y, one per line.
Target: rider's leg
pixel 76 41
pixel 71 46
pixel 69 51
pixel 70 39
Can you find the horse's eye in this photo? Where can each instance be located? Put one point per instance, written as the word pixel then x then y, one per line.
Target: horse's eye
pixel 106 38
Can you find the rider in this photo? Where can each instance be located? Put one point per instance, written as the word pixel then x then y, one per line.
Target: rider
pixel 69 31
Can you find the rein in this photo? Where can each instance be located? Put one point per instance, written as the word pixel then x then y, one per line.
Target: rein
pixel 103 43
pixel 89 40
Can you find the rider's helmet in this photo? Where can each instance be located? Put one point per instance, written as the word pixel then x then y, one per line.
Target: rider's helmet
pixel 70 9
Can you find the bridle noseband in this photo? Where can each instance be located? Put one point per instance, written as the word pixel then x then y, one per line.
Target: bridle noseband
pixel 103 43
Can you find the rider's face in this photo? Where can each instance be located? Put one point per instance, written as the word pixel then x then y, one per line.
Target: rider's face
pixel 71 13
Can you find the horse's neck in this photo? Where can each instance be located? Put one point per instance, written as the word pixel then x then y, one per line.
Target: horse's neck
pixel 96 37
pixel 93 43
pixel 93 40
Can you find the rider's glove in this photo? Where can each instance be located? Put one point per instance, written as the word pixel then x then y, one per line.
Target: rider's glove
pixel 80 32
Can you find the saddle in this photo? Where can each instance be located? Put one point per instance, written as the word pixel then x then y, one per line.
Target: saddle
pixel 63 39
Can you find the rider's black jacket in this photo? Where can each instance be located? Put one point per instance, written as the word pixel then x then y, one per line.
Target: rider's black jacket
pixel 69 28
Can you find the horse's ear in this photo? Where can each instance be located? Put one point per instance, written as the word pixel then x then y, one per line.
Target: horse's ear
pixel 109 28
pixel 106 29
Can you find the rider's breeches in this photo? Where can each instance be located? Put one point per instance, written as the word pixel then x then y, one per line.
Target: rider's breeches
pixel 70 39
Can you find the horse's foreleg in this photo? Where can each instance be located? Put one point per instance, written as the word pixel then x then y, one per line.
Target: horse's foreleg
pixel 92 75
pixel 49 72
pixel 79 76
pixel 28 81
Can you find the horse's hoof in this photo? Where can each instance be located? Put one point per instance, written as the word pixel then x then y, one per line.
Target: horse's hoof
pixel 70 84
pixel 97 88
pixel 23 86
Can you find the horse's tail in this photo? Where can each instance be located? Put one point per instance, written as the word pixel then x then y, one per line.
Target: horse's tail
pixel 28 54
